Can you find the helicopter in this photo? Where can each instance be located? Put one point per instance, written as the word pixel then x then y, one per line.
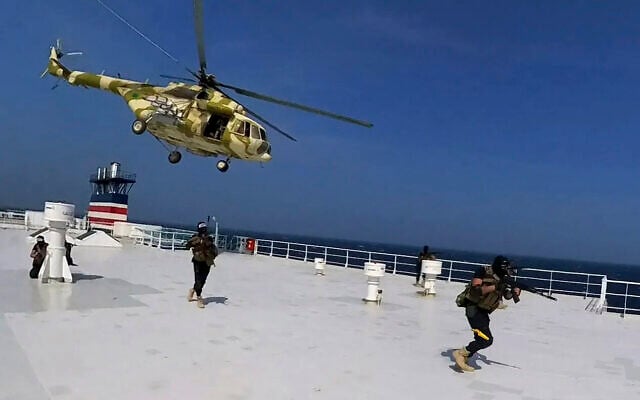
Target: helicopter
pixel 196 113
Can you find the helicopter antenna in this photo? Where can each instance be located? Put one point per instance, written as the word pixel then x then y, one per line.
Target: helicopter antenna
pixel 137 31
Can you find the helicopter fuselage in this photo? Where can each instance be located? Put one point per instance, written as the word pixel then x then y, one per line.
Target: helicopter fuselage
pixel 202 121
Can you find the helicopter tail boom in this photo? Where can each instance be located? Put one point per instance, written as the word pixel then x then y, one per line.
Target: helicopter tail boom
pixel 86 79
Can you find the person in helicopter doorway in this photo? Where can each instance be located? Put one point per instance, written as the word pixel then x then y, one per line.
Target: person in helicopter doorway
pixel 480 298
pixel 38 253
pixel 424 255
pixel 204 253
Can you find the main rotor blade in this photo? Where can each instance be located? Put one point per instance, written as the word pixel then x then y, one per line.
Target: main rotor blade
pixel 197 12
pixel 179 78
pixel 137 31
pixel 259 117
pixel 264 121
pixel 295 105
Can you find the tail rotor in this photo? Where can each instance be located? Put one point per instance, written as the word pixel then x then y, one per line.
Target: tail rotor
pixel 57 53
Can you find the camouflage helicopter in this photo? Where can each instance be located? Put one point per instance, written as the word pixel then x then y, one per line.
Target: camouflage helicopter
pixel 194 114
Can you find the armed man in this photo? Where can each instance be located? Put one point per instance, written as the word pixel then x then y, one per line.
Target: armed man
pixel 204 253
pixel 480 298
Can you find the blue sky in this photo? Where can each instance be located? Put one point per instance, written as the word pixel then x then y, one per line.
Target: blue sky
pixel 499 126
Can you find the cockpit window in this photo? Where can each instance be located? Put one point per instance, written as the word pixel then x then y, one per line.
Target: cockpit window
pixel 254 132
pixel 244 128
pixel 263 134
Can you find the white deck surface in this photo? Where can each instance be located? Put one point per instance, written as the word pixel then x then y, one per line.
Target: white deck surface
pixel 273 330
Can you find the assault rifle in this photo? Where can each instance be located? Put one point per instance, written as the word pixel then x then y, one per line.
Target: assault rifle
pixel 512 283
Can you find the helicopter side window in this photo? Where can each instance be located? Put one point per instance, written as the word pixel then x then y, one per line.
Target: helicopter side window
pixel 263 134
pixel 255 134
pixel 245 129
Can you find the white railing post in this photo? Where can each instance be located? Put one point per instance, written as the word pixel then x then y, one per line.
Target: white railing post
pixel 287 250
pixel 325 254
pixel 603 292
pixel 173 242
pixel 271 251
pixel 369 256
pixel 586 292
pixel 626 294
pixel 395 264
pixel 550 282
pixel 450 270
pixel 346 261
pixel 306 251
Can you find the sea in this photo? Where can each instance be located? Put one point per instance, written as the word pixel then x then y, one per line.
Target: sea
pixel 614 271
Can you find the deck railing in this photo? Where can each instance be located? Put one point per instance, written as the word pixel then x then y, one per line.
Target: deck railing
pixel 613 295
pixel 12 218
pixel 630 299
pixel 582 284
pixel 170 239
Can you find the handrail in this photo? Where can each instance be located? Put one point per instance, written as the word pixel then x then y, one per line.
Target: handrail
pixel 591 285
pixel 571 283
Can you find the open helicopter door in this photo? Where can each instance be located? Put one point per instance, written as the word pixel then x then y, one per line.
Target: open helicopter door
pixel 215 126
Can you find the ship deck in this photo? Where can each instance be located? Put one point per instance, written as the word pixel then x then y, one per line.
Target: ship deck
pixel 271 329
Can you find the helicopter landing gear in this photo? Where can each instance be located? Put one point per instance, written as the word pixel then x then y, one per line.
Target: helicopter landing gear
pixel 222 165
pixel 138 127
pixel 174 157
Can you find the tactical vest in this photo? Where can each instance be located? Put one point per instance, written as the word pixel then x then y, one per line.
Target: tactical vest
pixel 204 250
pixel 489 301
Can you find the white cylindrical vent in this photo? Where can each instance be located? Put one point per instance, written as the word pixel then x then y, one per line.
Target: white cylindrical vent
pixel 58 217
pixel 319 265
pixel 115 169
pixel 431 267
pixel 374 271
pixel 59 212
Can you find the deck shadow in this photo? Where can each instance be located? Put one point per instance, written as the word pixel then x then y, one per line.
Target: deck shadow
pixel 482 358
pixel 216 300
pixel 77 276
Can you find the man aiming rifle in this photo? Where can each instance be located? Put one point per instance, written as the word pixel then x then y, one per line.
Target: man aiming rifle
pixel 480 298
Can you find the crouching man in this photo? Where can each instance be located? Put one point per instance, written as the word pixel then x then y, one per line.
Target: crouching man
pixel 38 253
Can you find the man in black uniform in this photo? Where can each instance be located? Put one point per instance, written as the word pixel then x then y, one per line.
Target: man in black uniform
pixel 424 255
pixel 480 298
pixel 204 254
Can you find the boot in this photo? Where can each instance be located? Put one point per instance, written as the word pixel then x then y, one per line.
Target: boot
pixel 462 356
pixel 200 302
pixel 190 295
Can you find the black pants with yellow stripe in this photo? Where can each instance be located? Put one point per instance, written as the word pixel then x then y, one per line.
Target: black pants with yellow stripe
pixel 478 319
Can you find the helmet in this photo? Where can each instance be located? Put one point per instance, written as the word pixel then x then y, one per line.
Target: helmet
pixel 202 227
pixel 40 238
pixel 501 265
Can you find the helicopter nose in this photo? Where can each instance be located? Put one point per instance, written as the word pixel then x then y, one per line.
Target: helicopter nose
pixel 265 157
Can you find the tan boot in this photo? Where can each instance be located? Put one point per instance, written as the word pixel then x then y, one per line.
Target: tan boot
pixel 462 356
pixel 190 295
pixel 200 302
